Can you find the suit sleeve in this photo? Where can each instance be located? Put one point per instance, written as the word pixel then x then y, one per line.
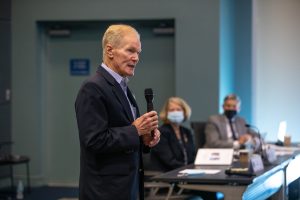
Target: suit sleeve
pixel 96 112
pixel 213 136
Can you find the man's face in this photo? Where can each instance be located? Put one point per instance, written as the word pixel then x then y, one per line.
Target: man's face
pixel 125 56
pixel 231 104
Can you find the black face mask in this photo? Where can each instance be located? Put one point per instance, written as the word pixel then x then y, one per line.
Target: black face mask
pixel 230 113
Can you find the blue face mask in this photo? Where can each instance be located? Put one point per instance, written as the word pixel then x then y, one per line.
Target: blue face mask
pixel 175 117
pixel 230 114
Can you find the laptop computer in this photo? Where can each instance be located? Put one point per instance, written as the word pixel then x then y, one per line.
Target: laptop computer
pixel 281 132
pixel 214 156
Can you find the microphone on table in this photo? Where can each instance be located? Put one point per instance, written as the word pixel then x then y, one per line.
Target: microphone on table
pixel 256 130
pixel 268 154
pixel 253 127
pixel 149 99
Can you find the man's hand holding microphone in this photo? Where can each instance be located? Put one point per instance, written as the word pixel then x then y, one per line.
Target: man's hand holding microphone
pixel 147 124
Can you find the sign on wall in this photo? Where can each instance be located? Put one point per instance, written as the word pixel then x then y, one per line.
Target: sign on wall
pixel 79 67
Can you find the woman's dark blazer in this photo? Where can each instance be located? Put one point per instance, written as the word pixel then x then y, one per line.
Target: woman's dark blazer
pixel 109 144
pixel 168 154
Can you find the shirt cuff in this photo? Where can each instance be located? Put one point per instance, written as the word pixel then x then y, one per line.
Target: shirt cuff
pixel 236 144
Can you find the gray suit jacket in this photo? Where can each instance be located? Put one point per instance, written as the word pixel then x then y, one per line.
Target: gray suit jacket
pixel 216 131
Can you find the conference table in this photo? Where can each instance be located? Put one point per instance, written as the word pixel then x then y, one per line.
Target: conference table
pixel 271 182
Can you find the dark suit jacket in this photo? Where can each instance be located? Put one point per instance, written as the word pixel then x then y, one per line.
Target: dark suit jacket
pixel 216 131
pixel 109 144
pixel 167 154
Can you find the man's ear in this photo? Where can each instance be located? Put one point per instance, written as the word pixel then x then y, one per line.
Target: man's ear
pixel 109 51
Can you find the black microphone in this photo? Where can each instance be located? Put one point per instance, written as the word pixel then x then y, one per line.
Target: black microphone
pixel 257 132
pixel 262 148
pixel 253 127
pixel 268 154
pixel 239 171
pixel 149 99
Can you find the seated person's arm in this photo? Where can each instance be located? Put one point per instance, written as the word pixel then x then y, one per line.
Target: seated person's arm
pixel 250 141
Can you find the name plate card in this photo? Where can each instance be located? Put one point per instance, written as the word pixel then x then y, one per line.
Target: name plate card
pixel 270 155
pixel 256 163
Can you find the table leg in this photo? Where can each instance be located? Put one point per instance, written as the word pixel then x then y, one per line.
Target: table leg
pixel 28 178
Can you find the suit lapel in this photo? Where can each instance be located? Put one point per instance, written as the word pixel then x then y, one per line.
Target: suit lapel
pixel 118 92
pixel 123 100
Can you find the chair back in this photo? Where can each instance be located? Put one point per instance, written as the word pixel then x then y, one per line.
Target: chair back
pixel 199 133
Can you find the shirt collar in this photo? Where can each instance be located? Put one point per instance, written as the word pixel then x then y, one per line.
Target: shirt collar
pixel 227 120
pixel 114 74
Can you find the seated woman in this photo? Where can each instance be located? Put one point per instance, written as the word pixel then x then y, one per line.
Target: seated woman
pixel 176 147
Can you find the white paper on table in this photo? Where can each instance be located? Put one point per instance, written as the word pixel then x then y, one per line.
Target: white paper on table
pixel 199 171
pixel 282 150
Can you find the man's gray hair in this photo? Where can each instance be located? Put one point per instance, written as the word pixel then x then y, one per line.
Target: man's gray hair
pixel 232 97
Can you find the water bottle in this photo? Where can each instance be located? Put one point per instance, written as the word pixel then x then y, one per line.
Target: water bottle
pixel 20 190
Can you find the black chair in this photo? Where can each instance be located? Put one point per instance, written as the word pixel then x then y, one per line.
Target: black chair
pixel 199 133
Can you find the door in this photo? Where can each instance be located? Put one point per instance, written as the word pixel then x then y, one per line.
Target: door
pixel 155 70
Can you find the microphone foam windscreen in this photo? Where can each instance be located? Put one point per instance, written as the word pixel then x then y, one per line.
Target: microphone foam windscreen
pixel 148 91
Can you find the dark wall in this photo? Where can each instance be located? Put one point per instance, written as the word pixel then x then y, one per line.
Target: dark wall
pixel 5 75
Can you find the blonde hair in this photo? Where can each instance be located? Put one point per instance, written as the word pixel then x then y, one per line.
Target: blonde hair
pixel 114 34
pixel 179 101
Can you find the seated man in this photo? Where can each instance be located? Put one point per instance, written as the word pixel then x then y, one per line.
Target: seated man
pixel 228 130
